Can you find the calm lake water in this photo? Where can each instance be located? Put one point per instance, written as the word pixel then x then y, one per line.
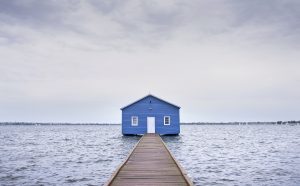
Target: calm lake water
pixel 88 155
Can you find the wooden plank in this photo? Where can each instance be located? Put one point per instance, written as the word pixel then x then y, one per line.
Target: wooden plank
pixel 150 163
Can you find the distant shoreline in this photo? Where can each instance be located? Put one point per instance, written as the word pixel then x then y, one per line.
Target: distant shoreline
pixel 38 123
pixel 244 123
pixel 293 122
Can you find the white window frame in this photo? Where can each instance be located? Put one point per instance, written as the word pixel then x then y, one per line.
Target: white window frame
pixel 136 119
pixel 165 120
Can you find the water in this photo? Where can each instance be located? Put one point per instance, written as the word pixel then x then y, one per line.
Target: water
pixel 61 155
pixel 88 155
pixel 239 155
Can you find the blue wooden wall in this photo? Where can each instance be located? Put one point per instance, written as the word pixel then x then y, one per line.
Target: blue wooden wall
pixel 158 109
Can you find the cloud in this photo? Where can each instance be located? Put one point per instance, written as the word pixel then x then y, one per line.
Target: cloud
pixel 219 60
pixel 122 24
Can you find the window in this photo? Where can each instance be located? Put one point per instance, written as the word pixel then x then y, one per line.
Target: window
pixel 167 120
pixel 134 121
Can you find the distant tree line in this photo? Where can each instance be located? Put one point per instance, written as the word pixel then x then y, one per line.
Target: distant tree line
pixel 291 122
pixel 244 123
pixel 49 123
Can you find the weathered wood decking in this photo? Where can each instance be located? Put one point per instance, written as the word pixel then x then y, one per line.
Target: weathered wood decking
pixel 150 163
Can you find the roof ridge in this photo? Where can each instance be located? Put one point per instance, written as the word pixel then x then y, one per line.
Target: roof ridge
pixel 148 96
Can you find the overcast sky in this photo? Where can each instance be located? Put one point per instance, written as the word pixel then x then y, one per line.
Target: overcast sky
pixel 81 61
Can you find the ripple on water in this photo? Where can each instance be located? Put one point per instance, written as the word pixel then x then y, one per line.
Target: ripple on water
pixel 60 155
pixel 211 155
pixel 239 155
pixel 73 180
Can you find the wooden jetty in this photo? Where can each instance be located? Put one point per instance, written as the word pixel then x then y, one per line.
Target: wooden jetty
pixel 150 163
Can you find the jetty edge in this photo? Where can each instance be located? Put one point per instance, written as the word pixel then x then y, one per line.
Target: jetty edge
pixel 149 163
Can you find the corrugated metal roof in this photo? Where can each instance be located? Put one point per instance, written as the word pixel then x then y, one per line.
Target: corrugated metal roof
pixel 148 96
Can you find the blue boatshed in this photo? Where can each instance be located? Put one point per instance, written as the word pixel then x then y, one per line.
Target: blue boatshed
pixel 150 114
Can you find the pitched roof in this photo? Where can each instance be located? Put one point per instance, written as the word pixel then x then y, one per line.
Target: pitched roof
pixel 152 96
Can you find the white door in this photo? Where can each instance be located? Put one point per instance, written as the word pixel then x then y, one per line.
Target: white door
pixel 150 124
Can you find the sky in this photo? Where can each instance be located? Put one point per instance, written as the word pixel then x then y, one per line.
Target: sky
pixel 82 60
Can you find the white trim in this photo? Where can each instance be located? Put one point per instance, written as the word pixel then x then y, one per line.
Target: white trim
pixel 136 119
pixel 165 120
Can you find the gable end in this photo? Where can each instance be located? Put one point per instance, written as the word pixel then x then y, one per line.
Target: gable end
pixel 150 95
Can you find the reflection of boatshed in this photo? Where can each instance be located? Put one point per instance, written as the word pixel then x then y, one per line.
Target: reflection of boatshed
pixel 150 114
